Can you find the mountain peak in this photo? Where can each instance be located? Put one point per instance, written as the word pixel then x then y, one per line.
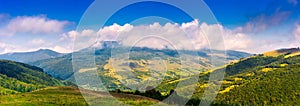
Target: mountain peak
pixel 28 57
pixel 45 50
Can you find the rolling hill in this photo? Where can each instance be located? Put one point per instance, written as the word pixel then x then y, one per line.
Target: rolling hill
pixel 19 77
pixel 258 80
pixel 267 80
pixel 27 57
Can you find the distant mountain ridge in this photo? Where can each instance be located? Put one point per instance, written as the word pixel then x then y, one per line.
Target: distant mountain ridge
pixel 31 56
pixel 61 67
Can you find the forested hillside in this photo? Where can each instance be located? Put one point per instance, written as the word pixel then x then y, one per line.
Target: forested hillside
pixel 257 80
pixel 19 77
pixel 274 81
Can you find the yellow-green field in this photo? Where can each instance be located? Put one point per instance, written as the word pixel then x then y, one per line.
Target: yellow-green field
pixel 70 96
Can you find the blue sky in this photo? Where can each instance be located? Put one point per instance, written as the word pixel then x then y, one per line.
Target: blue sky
pixel 274 22
pixel 228 12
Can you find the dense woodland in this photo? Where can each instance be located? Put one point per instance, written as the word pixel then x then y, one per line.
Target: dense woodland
pixel 19 77
pixel 279 85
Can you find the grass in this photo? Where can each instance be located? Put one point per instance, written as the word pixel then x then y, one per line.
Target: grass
pixel 292 54
pixel 49 96
pixel 227 89
pixel 267 69
pixel 272 53
pixel 53 96
pixel 287 52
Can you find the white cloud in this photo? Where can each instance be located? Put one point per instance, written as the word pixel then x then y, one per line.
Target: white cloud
pixel 62 49
pixel 3 48
pixel 33 24
pixel 111 32
pixel 37 42
pixel 88 37
pixel 9 48
pixel 296 32
pixel 19 27
pixel 72 35
pixel 237 41
pixel 191 35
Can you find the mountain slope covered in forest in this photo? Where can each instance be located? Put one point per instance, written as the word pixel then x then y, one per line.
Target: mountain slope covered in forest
pixel 19 77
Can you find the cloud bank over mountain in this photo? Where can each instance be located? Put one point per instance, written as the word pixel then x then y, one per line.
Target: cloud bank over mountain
pixel 195 32
pixel 29 33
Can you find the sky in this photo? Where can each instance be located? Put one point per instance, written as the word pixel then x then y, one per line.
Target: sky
pixel 253 26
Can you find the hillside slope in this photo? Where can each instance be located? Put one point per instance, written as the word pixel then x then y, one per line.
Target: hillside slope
pixel 257 80
pixel 19 77
pixel 263 80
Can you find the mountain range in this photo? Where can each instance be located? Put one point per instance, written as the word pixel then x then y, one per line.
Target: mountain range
pixel 31 56
pixel 61 67
pixel 270 78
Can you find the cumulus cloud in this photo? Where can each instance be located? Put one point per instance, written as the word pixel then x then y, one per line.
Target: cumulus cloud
pixel 14 28
pixel 113 31
pixel 192 35
pixel 71 35
pixel 33 24
pixel 236 40
pixel 88 37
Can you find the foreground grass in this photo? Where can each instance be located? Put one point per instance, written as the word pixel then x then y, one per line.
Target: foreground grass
pixel 54 96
